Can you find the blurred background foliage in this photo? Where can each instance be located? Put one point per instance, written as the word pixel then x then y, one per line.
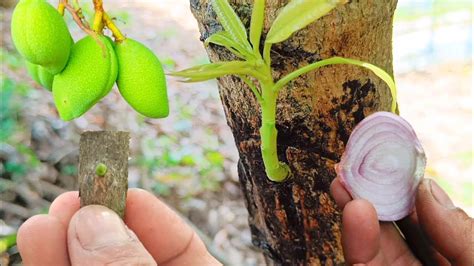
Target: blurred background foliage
pixel 189 159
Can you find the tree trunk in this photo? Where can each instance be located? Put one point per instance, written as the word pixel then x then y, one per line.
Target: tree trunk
pixel 297 222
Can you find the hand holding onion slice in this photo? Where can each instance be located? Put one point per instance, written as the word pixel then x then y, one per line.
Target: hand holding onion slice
pixel 383 163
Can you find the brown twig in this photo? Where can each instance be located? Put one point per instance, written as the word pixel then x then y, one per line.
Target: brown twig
pixel 79 19
pixel 119 37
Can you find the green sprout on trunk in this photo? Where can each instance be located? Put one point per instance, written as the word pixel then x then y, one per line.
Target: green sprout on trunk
pixel 296 15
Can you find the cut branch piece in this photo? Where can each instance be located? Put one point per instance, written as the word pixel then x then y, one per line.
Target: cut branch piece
pixel 383 163
pixel 99 149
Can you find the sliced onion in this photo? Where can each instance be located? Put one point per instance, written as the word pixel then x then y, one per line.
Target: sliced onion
pixel 383 163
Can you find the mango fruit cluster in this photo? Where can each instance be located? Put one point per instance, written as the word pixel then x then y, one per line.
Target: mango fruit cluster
pixel 81 74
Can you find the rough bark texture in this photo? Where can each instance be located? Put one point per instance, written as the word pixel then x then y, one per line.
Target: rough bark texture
pixel 112 149
pixel 297 222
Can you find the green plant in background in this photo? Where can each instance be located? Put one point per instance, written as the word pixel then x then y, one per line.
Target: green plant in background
pixel 172 165
pixel 7 242
pixel 296 15
pixel 20 159
pixel 7 109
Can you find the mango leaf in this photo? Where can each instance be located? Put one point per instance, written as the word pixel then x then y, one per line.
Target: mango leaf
pixel 256 24
pixel 215 70
pixel 231 22
pixel 224 39
pixel 296 15
pixel 194 72
pixel 341 60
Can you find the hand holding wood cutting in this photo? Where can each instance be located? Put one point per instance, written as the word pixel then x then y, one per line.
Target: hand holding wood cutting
pixel 150 234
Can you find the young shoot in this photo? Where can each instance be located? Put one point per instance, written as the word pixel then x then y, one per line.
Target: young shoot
pixel 296 15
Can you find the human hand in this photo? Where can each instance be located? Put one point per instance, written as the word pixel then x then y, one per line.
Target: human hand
pixel 95 235
pixel 437 232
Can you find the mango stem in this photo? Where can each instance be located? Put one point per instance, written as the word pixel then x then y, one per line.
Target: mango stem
pixel 98 24
pixel 78 18
pixel 119 37
pixel 62 7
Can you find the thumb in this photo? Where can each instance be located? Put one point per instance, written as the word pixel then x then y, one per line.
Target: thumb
pixel 97 236
pixel 448 228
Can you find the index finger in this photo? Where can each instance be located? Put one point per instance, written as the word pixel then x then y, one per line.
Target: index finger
pixel 164 234
pixel 339 193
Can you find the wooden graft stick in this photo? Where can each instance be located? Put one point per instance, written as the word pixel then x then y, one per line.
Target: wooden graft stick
pixel 103 169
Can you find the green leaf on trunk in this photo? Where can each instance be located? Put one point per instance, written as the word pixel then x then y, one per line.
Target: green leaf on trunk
pixel 231 22
pixel 215 70
pixel 224 39
pixel 256 24
pixel 341 60
pixel 296 15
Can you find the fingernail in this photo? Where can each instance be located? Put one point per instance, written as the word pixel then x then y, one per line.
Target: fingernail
pixel 440 196
pixel 97 226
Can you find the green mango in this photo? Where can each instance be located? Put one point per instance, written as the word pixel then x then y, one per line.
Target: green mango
pixel 40 75
pixel 141 79
pixel 40 34
pixel 86 78
pixel 46 78
pixel 111 41
pixel 33 71
pixel 113 66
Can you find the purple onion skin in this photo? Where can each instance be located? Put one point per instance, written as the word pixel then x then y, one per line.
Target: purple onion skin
pixel 383 163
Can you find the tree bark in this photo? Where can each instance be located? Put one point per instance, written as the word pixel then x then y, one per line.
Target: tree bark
pixel 109 188
pixel 297 222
